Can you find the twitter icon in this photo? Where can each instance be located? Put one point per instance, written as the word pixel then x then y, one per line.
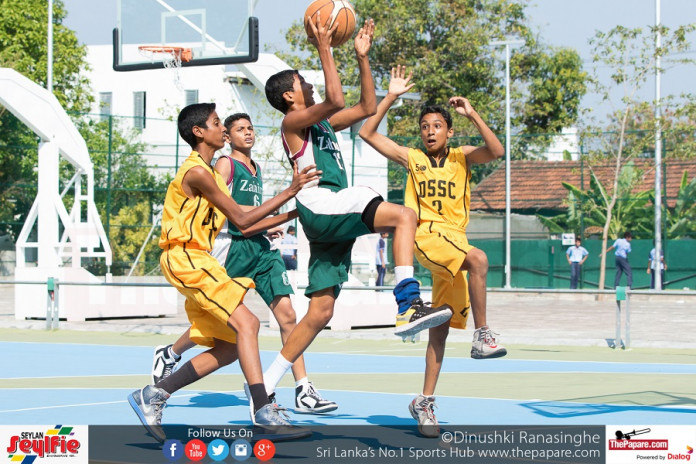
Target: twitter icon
pixel 218 450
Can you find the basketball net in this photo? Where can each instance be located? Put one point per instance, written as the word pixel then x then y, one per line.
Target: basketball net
pixel 171 58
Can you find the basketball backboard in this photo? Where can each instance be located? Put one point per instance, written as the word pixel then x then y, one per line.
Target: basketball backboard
pixel 215 31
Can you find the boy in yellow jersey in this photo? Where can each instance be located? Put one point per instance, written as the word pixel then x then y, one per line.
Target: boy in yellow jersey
pixel 438 190
pixel 196 205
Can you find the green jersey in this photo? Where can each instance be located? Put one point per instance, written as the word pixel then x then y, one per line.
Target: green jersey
pixel 321 147
pixel 245 188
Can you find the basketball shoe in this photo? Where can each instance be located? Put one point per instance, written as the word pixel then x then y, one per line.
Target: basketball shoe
pixel 485 344
pixel 420 316
pixel 271 420
pixel 148 404
pixel 309 401
pixel 422 410
pixel 162 363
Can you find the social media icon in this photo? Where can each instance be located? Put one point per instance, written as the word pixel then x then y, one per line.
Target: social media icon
pixel 195 450
pixel 218 450
pixel 240 450
pixel 264 450
pixel 173 450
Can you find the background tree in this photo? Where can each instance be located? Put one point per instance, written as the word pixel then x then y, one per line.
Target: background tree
pixel 631 56
pixel 23 28
pixel 446 44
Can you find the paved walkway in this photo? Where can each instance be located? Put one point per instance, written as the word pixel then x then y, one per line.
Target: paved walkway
pixel 521 318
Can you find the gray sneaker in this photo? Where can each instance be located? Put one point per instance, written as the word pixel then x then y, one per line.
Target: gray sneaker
pixel 485 344
pixel 272 423
pixel 148 404
pixel 422 410
pixel 162 364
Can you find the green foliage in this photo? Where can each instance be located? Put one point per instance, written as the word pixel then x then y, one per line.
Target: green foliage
pixel 586 209
pixel 23 42
pixel 132 225
pixel 681 220
pixel 446 44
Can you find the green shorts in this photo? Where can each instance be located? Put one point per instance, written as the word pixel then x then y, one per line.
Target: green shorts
pixel 253 258
pixel 332 221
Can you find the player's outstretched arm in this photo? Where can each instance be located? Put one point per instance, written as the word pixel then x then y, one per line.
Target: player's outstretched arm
pixel 492 148
pixel 296 121
pixel 367 105
pixel 199 182
pixel 398 85
pixel 269 223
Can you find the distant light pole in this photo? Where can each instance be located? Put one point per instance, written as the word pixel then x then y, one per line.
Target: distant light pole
pixel 49 46
pixel 507 44
pixel 657 261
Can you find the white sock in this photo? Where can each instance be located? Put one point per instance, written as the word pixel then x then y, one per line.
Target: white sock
pixel 275 372
pixel 302 382
pixel 402 272
pixel 172 353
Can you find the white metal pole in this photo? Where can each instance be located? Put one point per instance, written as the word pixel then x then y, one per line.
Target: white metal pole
pixel 508 264
pixel 658 155
pixel 49 58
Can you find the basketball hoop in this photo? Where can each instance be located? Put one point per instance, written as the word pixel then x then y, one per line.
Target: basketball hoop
pixel 170 56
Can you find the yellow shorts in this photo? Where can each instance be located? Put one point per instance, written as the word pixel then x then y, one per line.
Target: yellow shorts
pixel 442 250
pixel 211 295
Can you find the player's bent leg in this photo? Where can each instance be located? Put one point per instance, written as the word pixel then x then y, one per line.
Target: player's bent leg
pixel 320 312
pixel 403 222
pixel 166 357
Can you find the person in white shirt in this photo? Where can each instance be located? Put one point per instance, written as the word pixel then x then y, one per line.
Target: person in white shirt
pixel 289 252
pixel 381 258
pixel 652 267
pixel 576 256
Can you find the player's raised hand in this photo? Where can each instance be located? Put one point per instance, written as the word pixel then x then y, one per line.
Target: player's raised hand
pixel 299 179
pixel 462 106
pixel 363 40
pixel 322 33
pixel 399 85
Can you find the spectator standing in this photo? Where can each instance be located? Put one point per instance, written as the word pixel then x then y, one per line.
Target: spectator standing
pixel 381 258
pixel 623 248
pixel 289 249
pixel 652 267
pixel 576 256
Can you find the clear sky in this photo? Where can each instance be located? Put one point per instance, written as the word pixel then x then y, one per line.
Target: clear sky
pixel 563 23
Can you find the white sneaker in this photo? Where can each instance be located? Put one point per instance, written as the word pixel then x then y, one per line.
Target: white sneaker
pixel 309 401
pixel 485 344
pixel 422 409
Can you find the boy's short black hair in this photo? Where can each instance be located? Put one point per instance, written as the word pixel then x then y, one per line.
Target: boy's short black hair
pixel 277 85
pixel 229 120
pixel 429 109
pixel 628 234
pixel 193 115
pixel 291 229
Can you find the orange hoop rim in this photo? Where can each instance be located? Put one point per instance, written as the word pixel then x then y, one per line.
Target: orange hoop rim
pixel 184 54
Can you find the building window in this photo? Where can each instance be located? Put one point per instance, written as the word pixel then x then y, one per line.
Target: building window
pixel 105 105
pixel 139 104
pixel 191 97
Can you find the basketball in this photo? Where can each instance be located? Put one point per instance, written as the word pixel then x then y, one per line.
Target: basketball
pixel 340 11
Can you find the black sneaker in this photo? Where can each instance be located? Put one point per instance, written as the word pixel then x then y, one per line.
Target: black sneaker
pixel 162 364
pixel 420 316
pixel 309 401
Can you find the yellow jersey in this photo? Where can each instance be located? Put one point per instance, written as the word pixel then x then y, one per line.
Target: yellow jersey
pixel 439 192
pixel 193 222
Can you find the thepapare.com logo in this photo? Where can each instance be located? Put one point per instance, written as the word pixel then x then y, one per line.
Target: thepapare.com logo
pixel 44 444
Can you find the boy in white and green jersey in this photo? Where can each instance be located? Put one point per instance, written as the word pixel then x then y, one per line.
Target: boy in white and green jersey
pixel 332 214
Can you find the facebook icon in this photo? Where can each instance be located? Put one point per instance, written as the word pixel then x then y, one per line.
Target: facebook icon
pixel 173 450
